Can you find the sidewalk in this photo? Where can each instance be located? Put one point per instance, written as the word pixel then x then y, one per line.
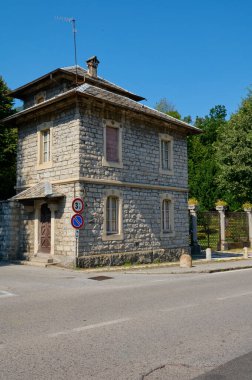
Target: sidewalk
pixel 221 262
pixel 198 266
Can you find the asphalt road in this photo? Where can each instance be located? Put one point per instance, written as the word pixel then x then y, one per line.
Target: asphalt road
pixel 60 324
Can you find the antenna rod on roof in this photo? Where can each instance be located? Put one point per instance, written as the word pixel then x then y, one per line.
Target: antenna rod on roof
pixel 73 21
pixel 75 51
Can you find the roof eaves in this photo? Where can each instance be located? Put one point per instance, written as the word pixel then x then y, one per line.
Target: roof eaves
pixel 38 106
pixel 141 108
pixel 21 88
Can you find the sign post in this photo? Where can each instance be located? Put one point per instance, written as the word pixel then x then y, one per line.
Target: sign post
pixel 77 222
pixel 78 205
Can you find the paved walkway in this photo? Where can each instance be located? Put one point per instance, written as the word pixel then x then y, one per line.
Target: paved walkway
pixel 199 266
pixel 221 261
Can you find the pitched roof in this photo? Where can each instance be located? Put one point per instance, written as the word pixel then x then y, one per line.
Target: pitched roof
pixel 82 75
pixel 130 104
pixel 39 191
pixel 98 81
pixel 112 98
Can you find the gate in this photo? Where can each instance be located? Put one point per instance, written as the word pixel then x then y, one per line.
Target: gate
pixel 208 229
pixel 237 229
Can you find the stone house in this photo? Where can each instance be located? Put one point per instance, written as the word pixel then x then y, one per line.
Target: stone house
pixel 83 136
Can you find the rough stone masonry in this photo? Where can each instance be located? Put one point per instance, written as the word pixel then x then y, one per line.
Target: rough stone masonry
pixel 77 120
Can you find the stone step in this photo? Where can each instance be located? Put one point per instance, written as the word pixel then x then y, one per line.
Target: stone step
pixel 35 263
pixel 41 259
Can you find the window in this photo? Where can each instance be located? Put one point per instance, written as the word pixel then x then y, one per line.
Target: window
pixel 44 146
pixel 112 144
pixel 166 154
pixel 167 215
pixel 112 215
pixel 112 225
pixel 112 148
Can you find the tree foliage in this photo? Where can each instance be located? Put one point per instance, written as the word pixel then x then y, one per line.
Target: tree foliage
pixel 202 162
pixel 169 109
pixel 234 155
pixel 8 145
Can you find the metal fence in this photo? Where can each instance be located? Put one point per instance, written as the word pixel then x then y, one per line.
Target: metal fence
pixel 237 229
pixel 208 229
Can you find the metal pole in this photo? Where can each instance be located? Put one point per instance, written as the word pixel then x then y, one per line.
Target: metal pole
pixel 75 50
pixel 76 242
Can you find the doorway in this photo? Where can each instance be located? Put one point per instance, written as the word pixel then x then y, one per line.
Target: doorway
pixel 45 229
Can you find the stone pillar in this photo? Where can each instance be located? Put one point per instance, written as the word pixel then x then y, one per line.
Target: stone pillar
pixel 249 213
pixel 224 244
pixel 53 208
pixel 195 249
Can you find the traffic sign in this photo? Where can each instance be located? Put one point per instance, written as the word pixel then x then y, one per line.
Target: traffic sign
pixel 78 205
pixel 77 221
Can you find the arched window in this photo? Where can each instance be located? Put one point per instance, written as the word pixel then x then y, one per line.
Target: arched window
pixel 166 154
pixel 166 215
pixel 112 213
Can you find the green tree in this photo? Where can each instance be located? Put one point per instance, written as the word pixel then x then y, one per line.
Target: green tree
pixel 168 108
pixel 234 155
pixel 8 145
pixel 202 163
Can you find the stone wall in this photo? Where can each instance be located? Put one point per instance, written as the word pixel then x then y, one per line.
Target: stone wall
pixel 77 155
pixel 137 257
pixel 65 149
pixel 49 92
pixel 64 232
pixel 140 149
pixel 141 216
pixel 9 230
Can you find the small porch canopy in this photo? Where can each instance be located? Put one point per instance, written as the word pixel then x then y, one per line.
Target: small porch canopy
pixel 43 190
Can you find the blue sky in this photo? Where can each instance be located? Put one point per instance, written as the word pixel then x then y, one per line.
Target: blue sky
pixel 195 53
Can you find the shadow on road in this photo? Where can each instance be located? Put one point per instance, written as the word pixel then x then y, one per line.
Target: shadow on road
pixel 238 368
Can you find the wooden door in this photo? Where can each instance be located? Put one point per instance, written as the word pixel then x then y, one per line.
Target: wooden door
pixel 45 229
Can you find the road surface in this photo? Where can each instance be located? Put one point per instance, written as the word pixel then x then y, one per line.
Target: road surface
pixel 62 324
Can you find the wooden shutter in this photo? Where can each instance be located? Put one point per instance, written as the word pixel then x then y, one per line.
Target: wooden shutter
pixel 112 144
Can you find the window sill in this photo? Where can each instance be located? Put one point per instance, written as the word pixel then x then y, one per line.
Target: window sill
pixel 111 164
pixel 166 172
pixel 44 165
pixel 112 237
pixel 167 234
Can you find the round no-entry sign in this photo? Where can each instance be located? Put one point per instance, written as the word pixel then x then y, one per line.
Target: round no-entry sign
pixel 77 221
pixel 78 205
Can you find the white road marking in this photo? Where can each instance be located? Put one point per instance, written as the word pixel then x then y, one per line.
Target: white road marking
pixel 5 294
pixel 234 296
pixel 89 327
pixel 179 307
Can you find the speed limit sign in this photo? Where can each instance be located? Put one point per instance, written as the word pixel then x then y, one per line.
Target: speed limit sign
pixel 78 205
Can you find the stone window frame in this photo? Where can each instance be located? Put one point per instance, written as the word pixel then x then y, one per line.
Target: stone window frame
pixel 169 139
pixel 171 232
pixel 117 125
pixel 40 97
pixel 113 236
pixel 41 164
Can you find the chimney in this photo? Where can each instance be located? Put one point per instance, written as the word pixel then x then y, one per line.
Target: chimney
pixel 92 66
